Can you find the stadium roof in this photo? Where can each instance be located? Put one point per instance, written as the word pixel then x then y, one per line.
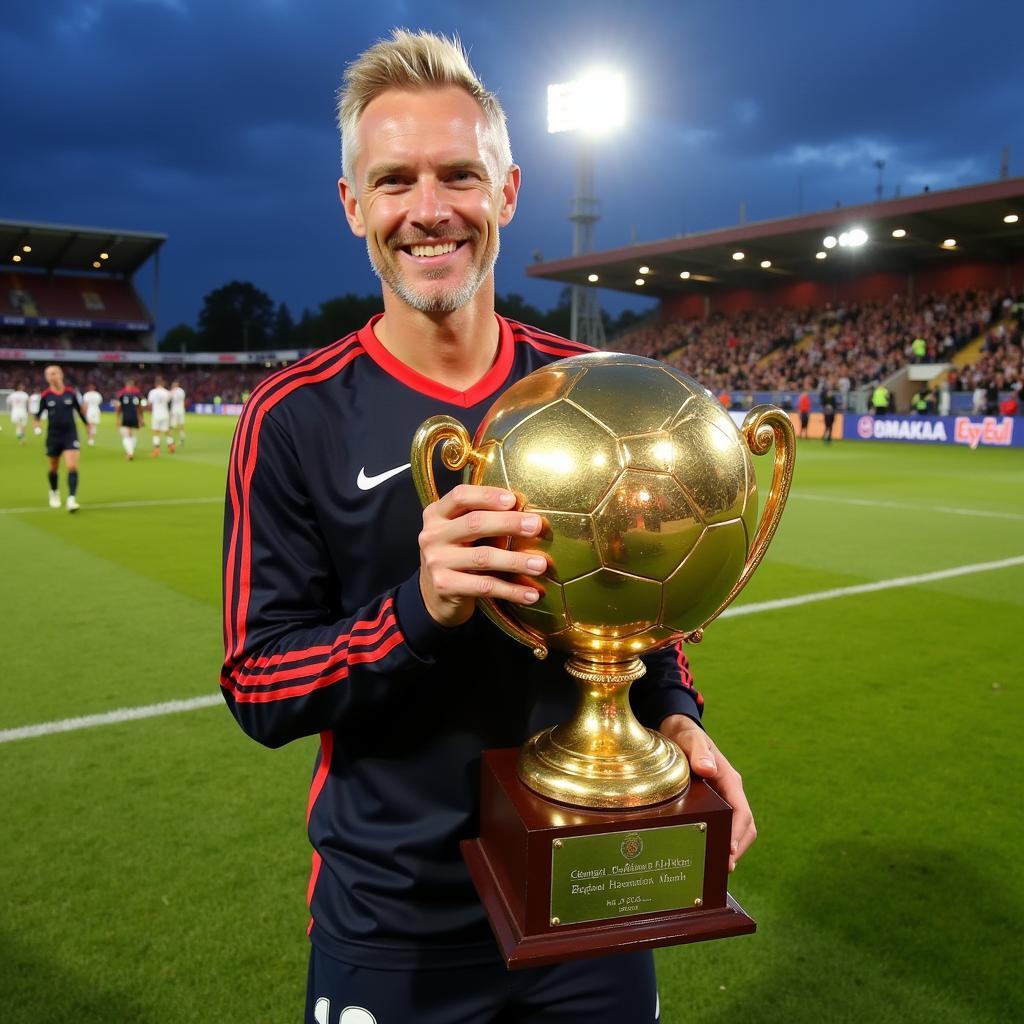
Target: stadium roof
pixel 61 247
pixel 972 216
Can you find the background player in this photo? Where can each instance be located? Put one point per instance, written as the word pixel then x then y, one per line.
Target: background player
pixel 60 404
pixel 33 409
pixel 159 399
pixel 129 415
pixel 93 402
pixel 178 411
pixel 17 405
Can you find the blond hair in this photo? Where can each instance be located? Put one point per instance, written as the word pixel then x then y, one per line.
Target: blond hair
pixel 413 61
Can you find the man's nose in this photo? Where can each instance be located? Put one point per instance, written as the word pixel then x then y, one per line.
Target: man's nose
pixel 429 206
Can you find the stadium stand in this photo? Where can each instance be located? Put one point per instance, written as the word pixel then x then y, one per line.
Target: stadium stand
pixel 898 291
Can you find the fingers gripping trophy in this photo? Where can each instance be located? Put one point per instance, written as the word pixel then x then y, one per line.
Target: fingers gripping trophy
pixel 649 499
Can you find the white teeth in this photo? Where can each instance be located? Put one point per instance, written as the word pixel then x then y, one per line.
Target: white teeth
pixel 432 250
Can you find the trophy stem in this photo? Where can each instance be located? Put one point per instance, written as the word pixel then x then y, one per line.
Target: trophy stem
pixel 603 757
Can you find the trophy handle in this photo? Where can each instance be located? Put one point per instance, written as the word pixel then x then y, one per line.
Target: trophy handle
pixel 457 452
pixel 762 425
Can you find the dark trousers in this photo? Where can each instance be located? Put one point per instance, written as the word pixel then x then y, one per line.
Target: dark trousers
pixel 608 990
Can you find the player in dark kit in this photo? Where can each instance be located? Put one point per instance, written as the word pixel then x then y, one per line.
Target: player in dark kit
pixel 350 611
pixel 61 405
pixel 129 415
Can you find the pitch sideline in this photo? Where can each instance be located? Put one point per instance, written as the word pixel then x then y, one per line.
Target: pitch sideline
pixel 171 707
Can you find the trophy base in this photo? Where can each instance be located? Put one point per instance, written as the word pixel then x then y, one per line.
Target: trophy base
pixel 561 883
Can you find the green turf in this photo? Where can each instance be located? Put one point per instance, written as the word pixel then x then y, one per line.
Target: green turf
pixel 155 871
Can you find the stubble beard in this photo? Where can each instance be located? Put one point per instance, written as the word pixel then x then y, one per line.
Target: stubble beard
pixel 444 301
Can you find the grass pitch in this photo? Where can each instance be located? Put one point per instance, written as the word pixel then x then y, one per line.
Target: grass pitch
pixel 154 871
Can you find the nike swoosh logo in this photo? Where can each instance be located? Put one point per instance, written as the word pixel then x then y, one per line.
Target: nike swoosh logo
pixel 367 483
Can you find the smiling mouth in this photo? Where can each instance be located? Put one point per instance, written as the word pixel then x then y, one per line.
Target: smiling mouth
pixel 440 249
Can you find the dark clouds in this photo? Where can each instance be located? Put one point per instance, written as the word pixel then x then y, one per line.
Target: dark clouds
pixel 213 121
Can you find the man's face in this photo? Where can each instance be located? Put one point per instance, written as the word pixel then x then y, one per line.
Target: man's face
pixel 54 377
pixel 427 196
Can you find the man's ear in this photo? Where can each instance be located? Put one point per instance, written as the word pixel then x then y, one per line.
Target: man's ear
pixel 509 195
pixel 353 214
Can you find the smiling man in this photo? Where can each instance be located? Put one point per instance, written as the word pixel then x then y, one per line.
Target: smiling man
pixel 350 612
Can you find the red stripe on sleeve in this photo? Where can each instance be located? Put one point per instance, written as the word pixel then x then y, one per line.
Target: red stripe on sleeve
pixel 319 780
pixel 244 678
pixel 303 689
pixel 311 652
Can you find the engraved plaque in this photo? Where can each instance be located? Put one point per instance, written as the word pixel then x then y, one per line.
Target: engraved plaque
pixel 622 874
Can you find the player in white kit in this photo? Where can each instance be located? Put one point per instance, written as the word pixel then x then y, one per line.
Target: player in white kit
pixel 159 400
pixel 93 402
pixel 178 410
pixel 17 405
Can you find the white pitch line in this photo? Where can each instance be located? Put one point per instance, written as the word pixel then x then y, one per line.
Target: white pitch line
pixel 174 706
pixel 870 588
pixel 119 504
pixel 875 503
pixel 114 717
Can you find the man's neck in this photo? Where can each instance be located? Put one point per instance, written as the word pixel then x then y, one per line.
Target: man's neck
pixel 455 349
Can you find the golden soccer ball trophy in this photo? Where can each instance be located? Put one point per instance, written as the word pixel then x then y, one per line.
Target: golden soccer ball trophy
pixel 648 494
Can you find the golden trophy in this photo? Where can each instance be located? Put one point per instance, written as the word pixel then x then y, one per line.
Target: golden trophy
pixel 593 837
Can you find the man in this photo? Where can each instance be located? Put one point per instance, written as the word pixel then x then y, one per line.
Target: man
pixel 61 404
pixel 93 402
pixel 828 407
pixel 177 412
pixel 803 407
pixel 880 399
pixel 350 612
pixel 159 401
pixel 128 405
pixel 17 405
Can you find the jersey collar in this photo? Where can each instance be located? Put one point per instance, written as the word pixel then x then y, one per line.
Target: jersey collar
pixel 486 386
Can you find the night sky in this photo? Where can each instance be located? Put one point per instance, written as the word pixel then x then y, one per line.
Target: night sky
pixel 212 121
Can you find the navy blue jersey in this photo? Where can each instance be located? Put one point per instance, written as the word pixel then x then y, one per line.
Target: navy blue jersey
pixel 326 633
pixel 129 401
pixel 60 408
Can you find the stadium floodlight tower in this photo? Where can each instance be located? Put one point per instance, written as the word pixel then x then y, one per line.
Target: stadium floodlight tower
pixel 591 106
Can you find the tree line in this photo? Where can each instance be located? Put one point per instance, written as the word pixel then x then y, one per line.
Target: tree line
pixel 239 317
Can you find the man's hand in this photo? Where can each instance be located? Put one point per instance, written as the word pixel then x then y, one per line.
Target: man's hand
pixel 707 761
pixel 455 570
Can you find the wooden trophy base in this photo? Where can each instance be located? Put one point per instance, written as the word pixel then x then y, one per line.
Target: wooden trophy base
pixel 513 866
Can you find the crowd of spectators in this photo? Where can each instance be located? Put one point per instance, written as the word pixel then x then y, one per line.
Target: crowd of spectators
pixel 842 349
pixel 847 347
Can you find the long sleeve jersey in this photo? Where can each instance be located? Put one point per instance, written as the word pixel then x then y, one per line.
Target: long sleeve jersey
pixel 326 633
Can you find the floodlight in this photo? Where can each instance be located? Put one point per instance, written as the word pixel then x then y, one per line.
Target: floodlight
pixel 592 278
pixel 856 238
pixel 949 243
pixel 96 264
pixel 16 258
pixel 26 248
pixel 829 241
pixel 820 255
pixel 104 255
pixel 685 275
pixel 1011 218
pixel 639 281
pixel 738 255
pixel 899 233
pixel 844 239
pixel 765 264
pixel 594 103
pixel 645 270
